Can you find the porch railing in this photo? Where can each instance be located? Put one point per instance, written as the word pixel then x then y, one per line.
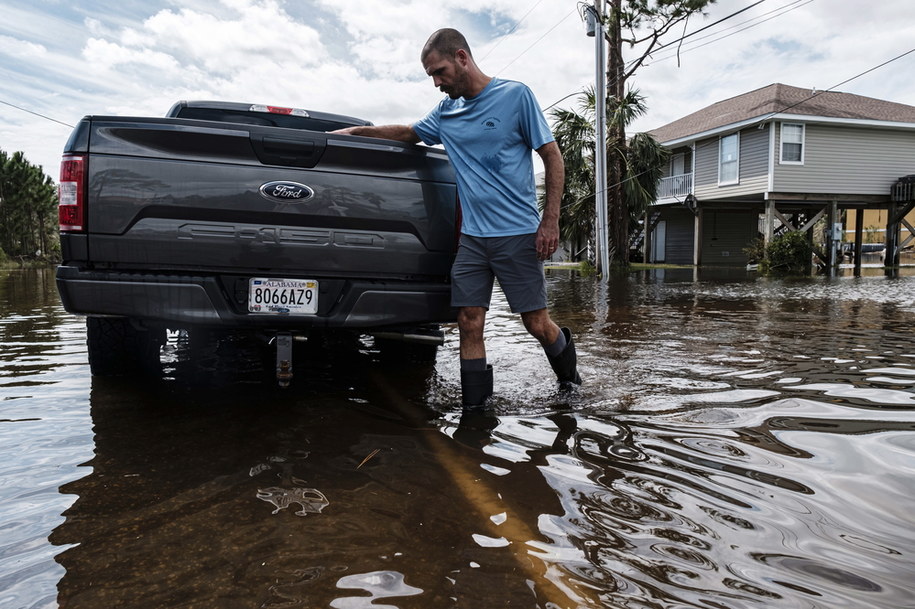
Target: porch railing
pixel 675 186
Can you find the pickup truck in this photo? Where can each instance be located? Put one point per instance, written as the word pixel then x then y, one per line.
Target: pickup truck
pixel 251 218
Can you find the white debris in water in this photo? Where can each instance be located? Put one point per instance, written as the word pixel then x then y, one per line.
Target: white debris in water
pixel 499 518
pixel 258 469
pixel 485 541
pixel 493 469
pixel 311 500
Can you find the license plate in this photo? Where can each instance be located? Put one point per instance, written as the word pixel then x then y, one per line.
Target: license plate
pixel 282 296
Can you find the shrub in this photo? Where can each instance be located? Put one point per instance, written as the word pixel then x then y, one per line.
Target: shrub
pixel 787 254
pixel 755 251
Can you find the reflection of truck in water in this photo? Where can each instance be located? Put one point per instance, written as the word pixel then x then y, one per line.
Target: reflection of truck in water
pixel 239 217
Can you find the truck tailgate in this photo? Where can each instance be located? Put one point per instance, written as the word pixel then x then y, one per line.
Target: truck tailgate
pixel 187 194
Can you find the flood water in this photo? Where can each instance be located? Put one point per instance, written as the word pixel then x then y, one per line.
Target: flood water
pixel 738 443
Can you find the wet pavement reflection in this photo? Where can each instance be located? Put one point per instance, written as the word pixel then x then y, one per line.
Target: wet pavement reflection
pixel 739 442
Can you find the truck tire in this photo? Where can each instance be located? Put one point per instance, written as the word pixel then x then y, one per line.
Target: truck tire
pixel 117 347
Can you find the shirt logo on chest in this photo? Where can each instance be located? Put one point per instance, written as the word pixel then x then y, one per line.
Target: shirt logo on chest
pixel 491 124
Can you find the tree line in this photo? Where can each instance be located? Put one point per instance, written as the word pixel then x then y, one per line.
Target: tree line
pixel 28 211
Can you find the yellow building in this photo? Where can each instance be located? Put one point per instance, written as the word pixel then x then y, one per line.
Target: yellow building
pixel 874 226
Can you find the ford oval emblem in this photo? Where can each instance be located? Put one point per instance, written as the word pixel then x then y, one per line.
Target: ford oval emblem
pixel 286 192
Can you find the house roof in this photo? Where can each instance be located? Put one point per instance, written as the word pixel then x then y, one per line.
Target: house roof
pixel 783 99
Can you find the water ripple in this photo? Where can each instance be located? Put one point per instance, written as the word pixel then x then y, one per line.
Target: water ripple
pixel 737 444
pixel 379 585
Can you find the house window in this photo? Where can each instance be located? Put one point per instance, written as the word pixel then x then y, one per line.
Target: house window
pixel 681 163
pixel 728 155
pixel 792 143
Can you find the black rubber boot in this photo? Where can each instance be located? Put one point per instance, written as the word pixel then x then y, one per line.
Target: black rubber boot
pixel 476 386
pixel 565 365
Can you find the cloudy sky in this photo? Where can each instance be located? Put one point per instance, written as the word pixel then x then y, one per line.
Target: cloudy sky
pixel 64 59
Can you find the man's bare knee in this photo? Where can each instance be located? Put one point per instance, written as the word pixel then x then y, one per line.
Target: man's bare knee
pixel 471 318
pixel 539 325
pixel 471 321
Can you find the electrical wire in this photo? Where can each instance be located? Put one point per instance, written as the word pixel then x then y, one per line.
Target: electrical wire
pixel 536 42
pixel 868 71
pixel 788 107
pixel 737 25
pixel 511 31
pixel 679 41
pixel 790 6
pixel 699 46
pixel 54 120
pixel 710 25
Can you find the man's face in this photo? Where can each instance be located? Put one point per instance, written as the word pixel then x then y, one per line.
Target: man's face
pixel 448 74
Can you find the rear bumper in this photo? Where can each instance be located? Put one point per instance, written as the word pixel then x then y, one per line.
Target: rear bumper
pixel 219 301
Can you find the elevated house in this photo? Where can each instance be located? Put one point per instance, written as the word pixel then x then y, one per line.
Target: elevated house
pixel 781 158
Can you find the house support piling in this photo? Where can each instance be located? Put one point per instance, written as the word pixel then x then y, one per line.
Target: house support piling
pixel 895 220
pixel 769 222
pixel 859 237
pixel 833 237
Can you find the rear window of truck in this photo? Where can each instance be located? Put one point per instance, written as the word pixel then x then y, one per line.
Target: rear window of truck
pixel 247 117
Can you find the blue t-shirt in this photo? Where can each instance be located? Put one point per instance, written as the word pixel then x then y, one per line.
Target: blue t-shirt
pixel 489 139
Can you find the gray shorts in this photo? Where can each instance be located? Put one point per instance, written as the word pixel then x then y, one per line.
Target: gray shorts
pixel 511 260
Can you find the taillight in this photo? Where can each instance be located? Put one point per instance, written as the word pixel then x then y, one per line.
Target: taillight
pixel 71 194
pixel 278 110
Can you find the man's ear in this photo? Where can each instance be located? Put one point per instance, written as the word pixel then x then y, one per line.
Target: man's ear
pixel 462 57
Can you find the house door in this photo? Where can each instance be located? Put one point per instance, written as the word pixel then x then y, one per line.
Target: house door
pixel 678 165
pixel 659 242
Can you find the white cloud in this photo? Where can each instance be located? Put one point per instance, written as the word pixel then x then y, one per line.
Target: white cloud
pixel 21 49
pixel 104 55
pixel 816 45
pixel 364 59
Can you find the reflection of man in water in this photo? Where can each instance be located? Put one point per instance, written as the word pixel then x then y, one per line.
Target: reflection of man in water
pixel 489 126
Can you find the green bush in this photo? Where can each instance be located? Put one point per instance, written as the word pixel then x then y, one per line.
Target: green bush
pixel 787 254
pixel 755 251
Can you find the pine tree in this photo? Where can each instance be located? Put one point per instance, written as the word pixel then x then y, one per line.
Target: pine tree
pixel 28 209
pixel 641 23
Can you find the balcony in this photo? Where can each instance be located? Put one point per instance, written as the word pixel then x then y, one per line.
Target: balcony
pixel 675 187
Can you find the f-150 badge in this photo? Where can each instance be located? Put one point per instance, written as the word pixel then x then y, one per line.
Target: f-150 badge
pixel 286 192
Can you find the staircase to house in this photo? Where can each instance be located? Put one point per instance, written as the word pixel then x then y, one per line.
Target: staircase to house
pixel 637 238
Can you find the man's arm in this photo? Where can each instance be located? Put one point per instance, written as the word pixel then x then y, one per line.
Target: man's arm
pixel 554 181
pixel 400 133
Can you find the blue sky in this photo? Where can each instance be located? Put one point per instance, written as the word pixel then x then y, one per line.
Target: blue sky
pixel 66 59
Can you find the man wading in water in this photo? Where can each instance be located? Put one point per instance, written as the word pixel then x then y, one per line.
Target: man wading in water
pixel 489 127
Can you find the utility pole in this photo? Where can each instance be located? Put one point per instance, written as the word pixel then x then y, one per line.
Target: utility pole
pixel 596 29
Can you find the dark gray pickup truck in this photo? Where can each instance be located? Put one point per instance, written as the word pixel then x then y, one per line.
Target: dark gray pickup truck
pixel 243 217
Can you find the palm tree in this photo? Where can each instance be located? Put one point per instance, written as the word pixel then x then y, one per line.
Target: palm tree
pixel 644 160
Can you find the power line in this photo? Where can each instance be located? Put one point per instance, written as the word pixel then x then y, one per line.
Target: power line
pixel 790 7
pixel 847 80
pixel 788 107
pixel 536 42
pixel 511 31
pixel 710 25
pixel 760 16
pixel 561 100
pixel 693 48
pixel 53 120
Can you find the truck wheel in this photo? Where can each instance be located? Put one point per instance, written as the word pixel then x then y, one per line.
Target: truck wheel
pixel 117 347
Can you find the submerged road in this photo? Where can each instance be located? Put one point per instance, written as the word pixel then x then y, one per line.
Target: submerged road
pixel 739 442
